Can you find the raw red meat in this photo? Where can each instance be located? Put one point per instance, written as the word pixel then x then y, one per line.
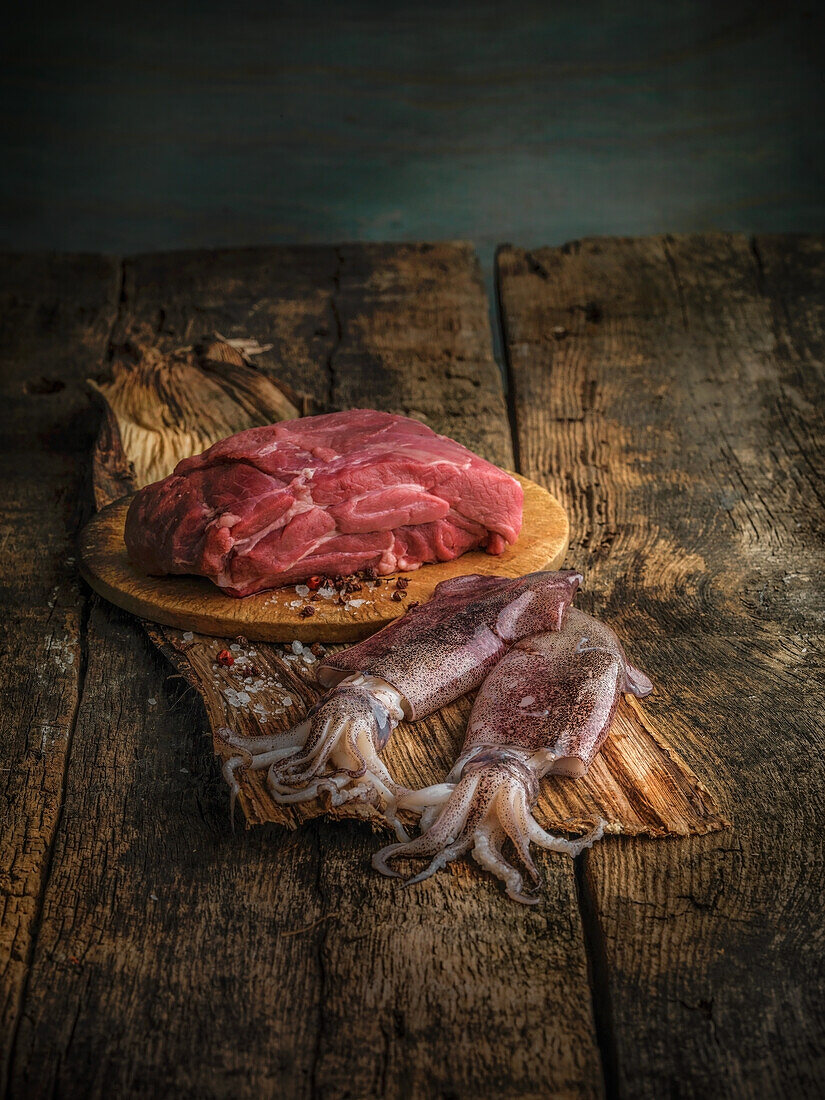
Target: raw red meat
pixel 324 495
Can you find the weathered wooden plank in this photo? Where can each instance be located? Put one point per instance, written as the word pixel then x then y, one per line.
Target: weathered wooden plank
pixel 471 997
pixel 280 296
pixel 106 975
pixel 414 338
pixel 670 391
pixel 169 959
pixel 445 987
pixel 56 313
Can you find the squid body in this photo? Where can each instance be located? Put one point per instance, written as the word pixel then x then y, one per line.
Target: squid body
pixel 432 655
pixel 546 707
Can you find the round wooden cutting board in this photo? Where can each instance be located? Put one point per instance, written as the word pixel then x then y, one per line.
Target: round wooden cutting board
pixel 194 603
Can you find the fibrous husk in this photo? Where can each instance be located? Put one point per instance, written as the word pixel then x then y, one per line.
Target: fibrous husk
pixel 161 407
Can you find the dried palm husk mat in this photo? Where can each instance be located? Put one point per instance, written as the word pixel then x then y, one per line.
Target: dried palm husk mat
pixel 161 408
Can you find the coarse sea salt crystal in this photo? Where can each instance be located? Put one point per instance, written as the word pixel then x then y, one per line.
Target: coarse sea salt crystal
pixel 327 593
pixel 296 603
pixel 355 603
pixel 297 647
pixel 236 698
pixel 235 648
pixel 302 589
pixel 188 635
pixel 287 700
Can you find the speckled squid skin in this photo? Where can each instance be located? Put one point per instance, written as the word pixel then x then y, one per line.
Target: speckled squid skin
pixel 441 650
pixel 431 656
pixel 556 691
pixel 549 701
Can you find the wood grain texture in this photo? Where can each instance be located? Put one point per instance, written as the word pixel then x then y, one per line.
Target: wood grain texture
pixel 165 939
pixel 196 604
pixel 671 390
pixel 274 963
pixel 56 313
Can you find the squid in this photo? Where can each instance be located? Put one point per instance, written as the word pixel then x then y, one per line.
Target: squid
pixel 546 708
pixel 434 654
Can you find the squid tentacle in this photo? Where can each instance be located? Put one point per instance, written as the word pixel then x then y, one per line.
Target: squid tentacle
pixel 334 750
pixel 348 729
pixel 297 771
pixel 513 826
pixel 442 858
pixel 256 753
pixel 488 854
pixel 327 784
pixel 441 835
pixel 488 806
pixel 551 843
pixel 339 789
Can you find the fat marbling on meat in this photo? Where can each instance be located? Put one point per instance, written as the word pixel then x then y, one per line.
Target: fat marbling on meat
pixel 322 495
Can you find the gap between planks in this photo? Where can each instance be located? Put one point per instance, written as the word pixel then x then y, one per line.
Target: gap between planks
pixel 593 940
pixel 83 664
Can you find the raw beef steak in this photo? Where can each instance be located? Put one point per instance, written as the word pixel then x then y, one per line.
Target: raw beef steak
pixel 324 495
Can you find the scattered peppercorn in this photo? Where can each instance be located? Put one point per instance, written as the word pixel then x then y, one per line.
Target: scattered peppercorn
pixel 398 595
pixel 402 582
pixel 306 612
pixel 314 583
pixel 317 649
pixel 253 669
pixel 241 640
pixel 226 659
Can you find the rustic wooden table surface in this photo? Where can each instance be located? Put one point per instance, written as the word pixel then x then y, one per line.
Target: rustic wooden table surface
pixel 670 392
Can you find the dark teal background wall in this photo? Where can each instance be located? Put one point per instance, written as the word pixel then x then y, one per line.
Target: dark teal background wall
pixel 158 126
